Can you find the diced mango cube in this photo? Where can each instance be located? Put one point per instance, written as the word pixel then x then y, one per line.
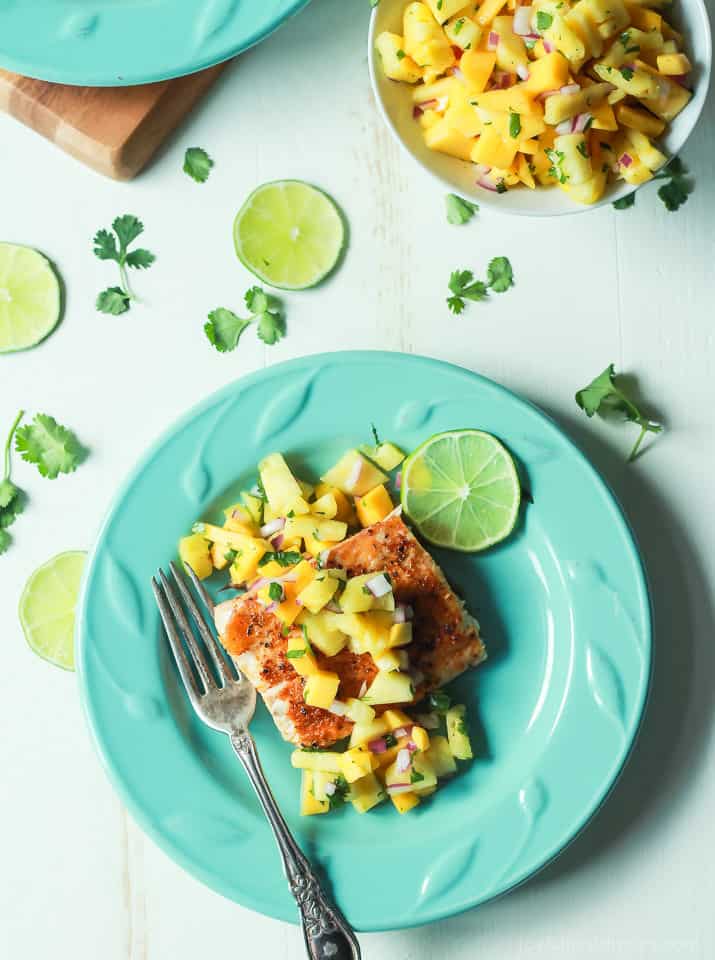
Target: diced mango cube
pixel 549 73
pixel 445 139
pixel 487 11
pixel 420 737
pixel 321 688
pixel 300 655
pixel 405 801
pixel 476 66
pixel 319 591
pixel 493 150
pixel 395 719
pixel 400 634
pixel 638 119
pixel 374 506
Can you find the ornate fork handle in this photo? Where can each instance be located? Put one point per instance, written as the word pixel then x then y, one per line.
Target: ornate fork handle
pixel 328 936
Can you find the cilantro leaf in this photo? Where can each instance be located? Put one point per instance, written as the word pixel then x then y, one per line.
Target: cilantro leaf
pixel 275 591
pixel 105 246
pixel 127 228
pixel 116 300
pixel 514 125
pixel 459 210
pixel 197 164
pixel 543 21
pixel 623 203
pixel 224 329
pixel 603 394
pixel 113 300
pixel 286 558
pixel 256 300
pixel 53 448
pixel 455 304
pixel 465 287
pixel 5 541
pixel 12 499
pixel 140 258
pixel 674 194
pixel 627 73
pixel 271 327
pixel 500 275
pixel 8 492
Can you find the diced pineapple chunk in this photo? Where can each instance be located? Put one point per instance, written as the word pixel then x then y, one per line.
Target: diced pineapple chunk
pixel 374 506
pixel 357 597
pixel 632 81
pixel 325 760
pixel 405 801
pixel 356 763
pixel 462 31
pixel 245 564
pixel 515 99
pixel 588 192
pixel 395 718
pixel 425 41
pixel 194 553
pixel 423 776
pixel 487 11
pixel 395 62
pixel 523 171
pixel 670 99
pixel 321 688
pixel 647 153
pixel 638 119
pixel 440 756
pixel 391 687
pixel 282 488
pixel 319 591
pixel 561 106
pixel 300 655
pixel 511 52
pixel 391 660
pixel 366 793
pixel 321 634
pixel 364 732
pixel 323 783
pixel 239 520
pixel 254 505
pixel 442 10
pixel 420 737
pixel 220 556
pixel 575 158
pixel 305 527
pixel 386 455
pixel 288 610
pixel 358 711
pixel 325 507
pixel 457 733
pixel 309 805
pixel 354 474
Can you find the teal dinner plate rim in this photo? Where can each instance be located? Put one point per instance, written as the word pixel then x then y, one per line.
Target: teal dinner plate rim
pixel 166 62
pixel 306 364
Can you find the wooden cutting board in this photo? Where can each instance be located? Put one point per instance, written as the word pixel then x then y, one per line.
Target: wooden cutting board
pixel 114 130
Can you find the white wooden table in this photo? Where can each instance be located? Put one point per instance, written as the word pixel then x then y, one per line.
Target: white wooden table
pixel 78 879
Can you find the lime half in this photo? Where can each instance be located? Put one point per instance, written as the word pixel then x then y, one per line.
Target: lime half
pixel 461 490
pixel 29 297
pixel 47 607
pixel 289 234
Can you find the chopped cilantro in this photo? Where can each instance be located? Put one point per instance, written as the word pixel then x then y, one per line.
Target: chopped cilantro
pixel 197 164
pixel 675 192
pixel 501 186
pixel 285 558
pixel 342 792
pixel 555 170
pixel 625 202
pixel 230 555
pixel 440 701
pixel 275 591
pixel 543 21
pixel 416 776
pixel 390 740
pixel 295 654
pixel 459 210
pixel 401 54
pixel 458 25
pixel 514 125
pixel 583 149
pixel 626 73
pixel 463 286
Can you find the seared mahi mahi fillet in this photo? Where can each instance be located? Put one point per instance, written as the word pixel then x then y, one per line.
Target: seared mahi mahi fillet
pixel 446 638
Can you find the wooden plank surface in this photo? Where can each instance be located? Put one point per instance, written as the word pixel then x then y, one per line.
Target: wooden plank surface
pixel 116 130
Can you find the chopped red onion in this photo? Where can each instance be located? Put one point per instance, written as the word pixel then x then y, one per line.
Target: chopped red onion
pixel 272 606
pixel 522 21
pixel 417 112
pixel 625 160
pixel 333 607
pixel 581 122
pixel 277 541
pixel 354 475
pixel 323 557
pixel 397 512
pixel 570 88
pixel 398 480
pixel 396 788
pixel 548 46
pixel 442 103
pixel 377 746
pixel 338 708
pixel 564 127
pixel 682 79
pixel 456 72
pixel 330 789
pixel 412 746
pixel 401 732
pixel 403 761
pixel 547 93
pixel 492 40
pixel 522 72
pixel 379 586
pixel 487 184
pixel 427 104
pixel 273 527
pixel 363 690
pixel 400 613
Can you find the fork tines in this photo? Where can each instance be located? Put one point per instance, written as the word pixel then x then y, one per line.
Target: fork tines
pixel 179 611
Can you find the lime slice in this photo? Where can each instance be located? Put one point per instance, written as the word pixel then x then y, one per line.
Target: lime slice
pixel 461 490
pixel 47 608
pixel 289 234
pixel 29 297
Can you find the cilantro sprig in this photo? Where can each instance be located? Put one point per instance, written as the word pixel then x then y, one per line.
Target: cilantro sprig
pixel 603 394
pixel 12 498
pixel 115 246
pixel 459 210
pixel 674 193
pixel 54 449
pixel 463 286
pixel 224 328
pixel 197 164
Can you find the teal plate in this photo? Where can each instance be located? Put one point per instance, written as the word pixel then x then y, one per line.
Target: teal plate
pixel 113 43
pixel 563 605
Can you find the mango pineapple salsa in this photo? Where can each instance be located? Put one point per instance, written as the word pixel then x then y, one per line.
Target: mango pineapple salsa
pixel 274 543
pixel 557 93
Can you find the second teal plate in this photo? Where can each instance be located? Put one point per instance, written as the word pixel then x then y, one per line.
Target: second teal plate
pixel 564 610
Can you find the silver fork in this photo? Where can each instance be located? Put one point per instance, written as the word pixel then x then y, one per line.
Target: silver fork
pixel 226 701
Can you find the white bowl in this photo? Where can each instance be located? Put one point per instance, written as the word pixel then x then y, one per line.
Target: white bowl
pixel 394 101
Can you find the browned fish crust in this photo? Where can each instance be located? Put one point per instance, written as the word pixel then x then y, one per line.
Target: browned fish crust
pixel 446 639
